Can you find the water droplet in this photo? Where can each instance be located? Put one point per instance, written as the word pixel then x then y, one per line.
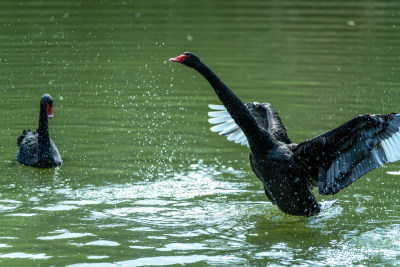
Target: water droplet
pixel 351 23
pixel 189 37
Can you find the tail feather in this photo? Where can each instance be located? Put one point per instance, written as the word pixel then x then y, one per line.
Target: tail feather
pixel 21 137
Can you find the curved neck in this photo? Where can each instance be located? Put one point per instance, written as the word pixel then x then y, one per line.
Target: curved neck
pixel 258 138
pixel 43 130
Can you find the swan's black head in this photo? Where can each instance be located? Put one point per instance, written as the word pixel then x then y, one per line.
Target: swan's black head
pixel 187 59
pixel 47 102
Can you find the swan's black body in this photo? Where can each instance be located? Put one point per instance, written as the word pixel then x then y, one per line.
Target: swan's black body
pixel 289 171
pixel 36 149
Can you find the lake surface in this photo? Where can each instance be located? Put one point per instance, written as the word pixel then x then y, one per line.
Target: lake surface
pixel 144 182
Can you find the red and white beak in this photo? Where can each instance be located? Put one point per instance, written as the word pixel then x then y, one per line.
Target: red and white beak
pixel 179 59
pixel 50 111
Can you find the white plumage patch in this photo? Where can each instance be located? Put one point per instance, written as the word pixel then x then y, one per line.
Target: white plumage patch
pixel 388 150
pixel 226 126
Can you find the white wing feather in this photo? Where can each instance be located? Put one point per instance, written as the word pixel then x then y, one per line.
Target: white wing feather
pixel 226 126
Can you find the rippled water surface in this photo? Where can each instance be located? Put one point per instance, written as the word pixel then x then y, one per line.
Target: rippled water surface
pixel 144 181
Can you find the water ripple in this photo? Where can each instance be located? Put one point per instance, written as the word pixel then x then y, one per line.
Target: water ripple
pixel 105 243
pixel 170 260
pixel 65 234
pixel 22 255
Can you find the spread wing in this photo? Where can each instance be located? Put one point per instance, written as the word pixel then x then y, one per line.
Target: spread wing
pixel 339 157
pixel 226 126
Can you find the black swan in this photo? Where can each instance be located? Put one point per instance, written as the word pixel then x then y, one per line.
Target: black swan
pixel 289 171
pixel 36 149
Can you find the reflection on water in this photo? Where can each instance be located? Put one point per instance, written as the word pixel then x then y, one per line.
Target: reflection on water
pixel 380 244
pixel 21 255
pixel 173 260
pixel 196 213
pixel 64 235
pixel 205 208
pixel 144 181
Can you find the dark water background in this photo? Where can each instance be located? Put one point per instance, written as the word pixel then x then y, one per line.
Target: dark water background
pixel 144 181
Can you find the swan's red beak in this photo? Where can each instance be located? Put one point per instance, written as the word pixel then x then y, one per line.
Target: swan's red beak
pixel 179 59
pixel 50 111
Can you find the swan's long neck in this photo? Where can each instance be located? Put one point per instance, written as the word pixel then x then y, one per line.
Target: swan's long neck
pixel 43 130
pixel 258 138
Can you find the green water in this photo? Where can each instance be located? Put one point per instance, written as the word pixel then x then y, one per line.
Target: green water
pixel 144 181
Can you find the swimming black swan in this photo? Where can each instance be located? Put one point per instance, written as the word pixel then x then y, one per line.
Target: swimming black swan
pixel 37 149
pixel 289 171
